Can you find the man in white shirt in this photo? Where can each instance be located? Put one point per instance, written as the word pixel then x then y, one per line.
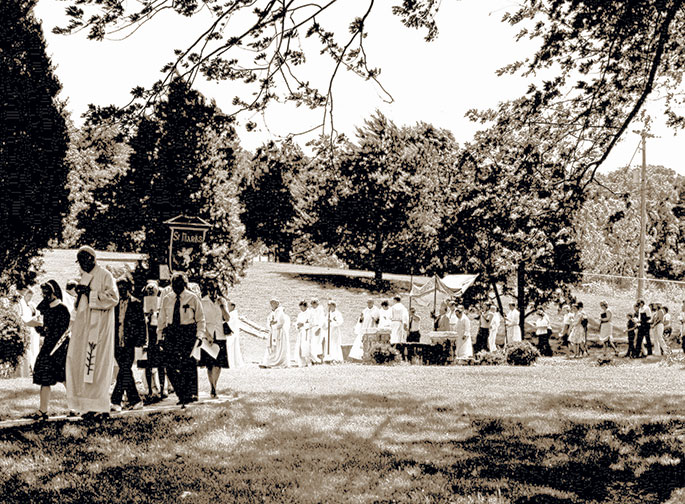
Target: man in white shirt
pixel 399 317
pixel 180 325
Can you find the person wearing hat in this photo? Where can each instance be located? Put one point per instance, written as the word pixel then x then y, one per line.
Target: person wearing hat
pixel 129 333
pixel 277 354
pixel 90 357
pixel 181 323
pixel 332 349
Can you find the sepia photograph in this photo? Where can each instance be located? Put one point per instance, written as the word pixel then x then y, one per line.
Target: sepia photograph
pixel 342 251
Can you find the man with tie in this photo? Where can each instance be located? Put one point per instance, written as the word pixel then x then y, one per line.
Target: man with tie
pixel 129 332
pixel 180 325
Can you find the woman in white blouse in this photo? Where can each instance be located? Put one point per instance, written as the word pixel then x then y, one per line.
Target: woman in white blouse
pixel 216 313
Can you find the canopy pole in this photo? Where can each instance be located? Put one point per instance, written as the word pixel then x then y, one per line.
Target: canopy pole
pixel 435 293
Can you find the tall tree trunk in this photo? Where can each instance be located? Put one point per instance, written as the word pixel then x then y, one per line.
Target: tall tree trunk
pixel 521 279
pixel 499 299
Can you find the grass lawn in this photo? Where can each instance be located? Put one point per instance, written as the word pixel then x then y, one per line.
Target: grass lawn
pixel 562 431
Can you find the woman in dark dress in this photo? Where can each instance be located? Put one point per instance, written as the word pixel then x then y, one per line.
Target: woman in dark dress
pixel 50 369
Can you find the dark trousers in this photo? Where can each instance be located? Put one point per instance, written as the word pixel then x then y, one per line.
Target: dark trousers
pixel 481 340
pixel 643 335
pixel 543 344
pixel 413 337
pixel 631 344
pixel 180 366
pixel 125 381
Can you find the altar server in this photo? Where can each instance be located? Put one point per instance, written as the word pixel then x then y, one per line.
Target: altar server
pixel 332 343
pixel 277 354
pixel 302 344
pixel 512 324
pixel 318 317
pixel 235 356
pixel 462 326
pixel 399 317
pixel 495 320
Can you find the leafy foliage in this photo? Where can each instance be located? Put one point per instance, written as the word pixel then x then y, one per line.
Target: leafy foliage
pixel 485 358
pixel 384 353
pixel 184 161
pixel 267 197
pixel 522 353
pixel 33 142
pixel 13 335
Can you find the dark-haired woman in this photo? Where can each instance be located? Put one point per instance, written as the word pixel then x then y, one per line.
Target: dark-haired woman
pixel 50 365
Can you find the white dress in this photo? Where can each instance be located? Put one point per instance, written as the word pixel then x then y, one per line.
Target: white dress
pixel 606 329
pixel 317 317
pixel 513 329
pixel 494 328
pixel 399 317
pixel 464 346
pixel 235 357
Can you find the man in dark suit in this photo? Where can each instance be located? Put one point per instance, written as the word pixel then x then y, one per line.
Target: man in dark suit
pixel 129 332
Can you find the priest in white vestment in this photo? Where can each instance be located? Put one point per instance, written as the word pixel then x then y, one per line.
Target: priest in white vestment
pixel 368 322
pixel 277 354
pixel 235 357
pixel 399 317
pixel 332 349
pixel 317 321
pixel 90 357
pixel 462 326
pixel 512 324
pixel 495 321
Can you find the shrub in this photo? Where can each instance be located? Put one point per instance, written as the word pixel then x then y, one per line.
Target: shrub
pixel 522 353
pixel 13 336
pixel 485 358
pixel 383 353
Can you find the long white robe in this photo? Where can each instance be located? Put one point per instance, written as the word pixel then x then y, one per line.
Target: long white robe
pixel 333 352
pixel 384 323
pixel 513 329
pixel 494 328
pixel 235 356
pixel 90 357
pixel 278 352
pixel 370 318
pixel 464 346
pixel 318 321
pixel 399 317
pixel 303 325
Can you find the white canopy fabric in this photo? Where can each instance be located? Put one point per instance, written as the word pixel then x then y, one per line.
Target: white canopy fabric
pixel 438 290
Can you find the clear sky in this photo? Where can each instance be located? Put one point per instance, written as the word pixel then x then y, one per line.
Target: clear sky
pixel 433 82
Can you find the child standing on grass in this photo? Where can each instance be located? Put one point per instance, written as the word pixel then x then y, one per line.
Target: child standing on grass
pixel 631 332
pixel 51 361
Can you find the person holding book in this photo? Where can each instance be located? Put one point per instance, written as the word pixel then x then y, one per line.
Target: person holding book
pixel 49 368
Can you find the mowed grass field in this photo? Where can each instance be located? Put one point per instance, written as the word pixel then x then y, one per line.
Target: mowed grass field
pixel 562 431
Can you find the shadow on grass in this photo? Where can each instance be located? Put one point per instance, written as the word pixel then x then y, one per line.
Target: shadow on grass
pixel 359 447
pixel 355 285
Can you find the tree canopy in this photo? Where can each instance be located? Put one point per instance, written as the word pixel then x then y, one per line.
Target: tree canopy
pixel 33 143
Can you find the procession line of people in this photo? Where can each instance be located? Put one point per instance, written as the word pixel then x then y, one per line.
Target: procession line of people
pixel 107 324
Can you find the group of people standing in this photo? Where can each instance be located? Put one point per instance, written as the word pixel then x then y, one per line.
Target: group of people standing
pixel 318 340
pixel 172 330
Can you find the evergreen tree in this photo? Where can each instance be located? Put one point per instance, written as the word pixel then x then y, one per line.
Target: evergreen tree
pixel 267 198
pixel 33 143
pixel 182 163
